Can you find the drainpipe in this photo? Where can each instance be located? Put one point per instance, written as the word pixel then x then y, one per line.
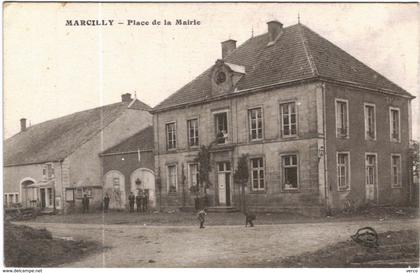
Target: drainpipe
pixel 324 114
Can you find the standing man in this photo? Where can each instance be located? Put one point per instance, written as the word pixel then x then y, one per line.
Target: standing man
pixel 145 199
pixel 139 201
pixel 106 202
pixel 131 199
pixel 85 203
pixel 202 217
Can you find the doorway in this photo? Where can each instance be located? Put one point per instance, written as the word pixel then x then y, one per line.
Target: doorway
pixel 371 177
pixel 224 183
pixel 43 198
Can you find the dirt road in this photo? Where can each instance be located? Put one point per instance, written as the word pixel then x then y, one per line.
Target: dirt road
pixel 214 246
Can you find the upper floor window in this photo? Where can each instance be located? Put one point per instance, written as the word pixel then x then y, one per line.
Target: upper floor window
pixel 172 178
pixel 192 127
pixel 394 117
pixel 288 119
pixel 257 174
pixel 396 170
pixel 171 135
pixel 221 127
pixel 255 124
pixel 343 171
pixel 341 118
pixel 370 122
pixel 48 171
pixel 290 172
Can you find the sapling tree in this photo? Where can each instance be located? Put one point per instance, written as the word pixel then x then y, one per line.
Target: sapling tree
pixel 241 176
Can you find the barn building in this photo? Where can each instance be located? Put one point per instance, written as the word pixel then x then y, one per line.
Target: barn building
pixel 52 164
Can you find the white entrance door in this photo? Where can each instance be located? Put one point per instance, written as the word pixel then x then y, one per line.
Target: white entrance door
pixel 222 188
pixel 370 177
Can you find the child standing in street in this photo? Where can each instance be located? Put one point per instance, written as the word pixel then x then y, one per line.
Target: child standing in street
pixel 202 217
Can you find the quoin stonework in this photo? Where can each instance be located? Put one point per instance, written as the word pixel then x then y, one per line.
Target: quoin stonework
pixel 319 128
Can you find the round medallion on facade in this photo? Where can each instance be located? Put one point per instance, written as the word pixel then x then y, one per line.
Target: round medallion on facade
pixel 220 77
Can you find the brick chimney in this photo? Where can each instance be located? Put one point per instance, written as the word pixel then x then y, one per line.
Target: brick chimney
pixel 23 124
pixel 126 97
pixel 275 29
pixel 227 47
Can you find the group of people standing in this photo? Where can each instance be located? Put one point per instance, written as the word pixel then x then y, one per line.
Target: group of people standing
pixel 141 200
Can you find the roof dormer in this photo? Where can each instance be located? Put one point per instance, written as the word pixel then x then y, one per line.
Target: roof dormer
pixel 225 76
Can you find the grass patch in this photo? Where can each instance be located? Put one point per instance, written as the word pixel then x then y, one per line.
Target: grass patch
pixel 396 249
pixel 28 247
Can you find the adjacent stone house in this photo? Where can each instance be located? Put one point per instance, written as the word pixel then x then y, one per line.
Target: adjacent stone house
pixel 54 163
pixel 129 167
pixel 321 129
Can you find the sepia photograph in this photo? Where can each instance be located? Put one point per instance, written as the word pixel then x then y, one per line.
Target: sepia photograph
pixel 210 135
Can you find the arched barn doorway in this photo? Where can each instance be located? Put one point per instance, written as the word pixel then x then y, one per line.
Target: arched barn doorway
pixel 114 186
pixel 144 179
pixel 28 193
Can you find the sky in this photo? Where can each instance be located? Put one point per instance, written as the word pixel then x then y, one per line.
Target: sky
pixel 51 70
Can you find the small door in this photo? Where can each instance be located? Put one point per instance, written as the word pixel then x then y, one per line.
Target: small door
pixel 227 182
pixel 43 204
pixel 222 188
pixel 370 177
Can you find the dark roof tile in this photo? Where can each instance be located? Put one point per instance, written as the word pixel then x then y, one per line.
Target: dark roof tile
pixel 298 54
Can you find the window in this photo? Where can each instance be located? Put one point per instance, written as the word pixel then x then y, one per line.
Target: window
pixel 370 169
pixel 370 122
pixel 343 171
pixel 172 178
pixel 396 170
pixel 192 174
pixel 394 117
pixel 288 119
pixel 171 136
pixel 255 124
pixel 69 194
pixel 116 183
pixel 220 120
pixel 192 125
pixel 290 172
pixel 257 174
pixel 48 171
pixel 341 118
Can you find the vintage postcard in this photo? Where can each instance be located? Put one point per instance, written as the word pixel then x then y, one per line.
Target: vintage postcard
pixel 210 135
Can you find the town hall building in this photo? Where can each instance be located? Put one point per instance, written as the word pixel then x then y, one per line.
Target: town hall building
pixel 320 129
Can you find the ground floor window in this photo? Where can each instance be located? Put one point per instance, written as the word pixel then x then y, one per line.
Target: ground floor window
pixel 290 172
pixel 396 170
pixel 257 174
pixel 172 178
pixel 192 174
pixel 343 171
pixel 10 199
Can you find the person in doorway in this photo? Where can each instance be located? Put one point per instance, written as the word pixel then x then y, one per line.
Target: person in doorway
pixel 106 202
pixel 85 203
pixel 131 199
pixel 145 199
pixel 139 201
pixel 202 217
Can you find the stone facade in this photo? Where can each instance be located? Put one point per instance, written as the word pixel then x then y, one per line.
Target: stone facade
pixel 316 113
